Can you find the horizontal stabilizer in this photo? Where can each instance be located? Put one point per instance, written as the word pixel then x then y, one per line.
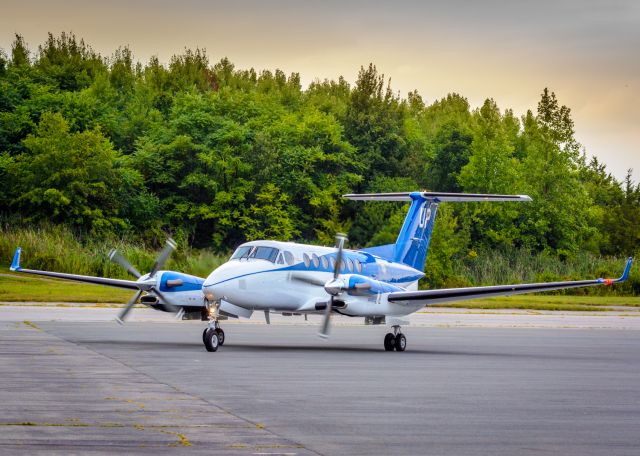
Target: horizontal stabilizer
pixel 435 196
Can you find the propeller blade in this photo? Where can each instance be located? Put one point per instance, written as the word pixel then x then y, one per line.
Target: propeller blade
pixel 115 256
pixel 132 302
pixel 340 239
pixel 169 247
pixel 165 301
pixel 326 323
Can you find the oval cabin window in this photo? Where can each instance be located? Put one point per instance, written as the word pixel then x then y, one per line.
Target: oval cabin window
pixel 288 257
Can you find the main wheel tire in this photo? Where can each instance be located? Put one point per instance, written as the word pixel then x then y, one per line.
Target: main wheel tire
pixel 204 335
pixel 389 342
pixel 211 341
pixel 220 334
pixel 400 343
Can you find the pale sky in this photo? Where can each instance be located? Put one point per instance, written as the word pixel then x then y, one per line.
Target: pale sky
pixel 586 51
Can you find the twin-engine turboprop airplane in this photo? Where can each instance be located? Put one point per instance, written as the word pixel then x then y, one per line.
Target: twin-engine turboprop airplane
pixel 169 291
pixel 377 283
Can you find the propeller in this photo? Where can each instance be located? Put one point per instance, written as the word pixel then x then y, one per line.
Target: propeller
pixel 148 283
pixel 334 286
pixel 115 256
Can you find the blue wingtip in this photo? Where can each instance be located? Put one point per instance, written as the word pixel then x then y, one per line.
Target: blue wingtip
pixel 15 264
pixel 627 268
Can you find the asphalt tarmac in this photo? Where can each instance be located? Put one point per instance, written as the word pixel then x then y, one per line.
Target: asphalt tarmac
pixel 93 387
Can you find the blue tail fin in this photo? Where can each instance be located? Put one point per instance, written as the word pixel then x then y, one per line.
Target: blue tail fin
pixel 412 245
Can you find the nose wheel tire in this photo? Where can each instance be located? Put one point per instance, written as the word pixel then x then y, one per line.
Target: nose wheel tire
pixel 220 334
pixel 211 341
pixel 389 342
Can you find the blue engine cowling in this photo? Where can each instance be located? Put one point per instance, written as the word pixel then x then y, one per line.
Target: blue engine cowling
pixel 363 286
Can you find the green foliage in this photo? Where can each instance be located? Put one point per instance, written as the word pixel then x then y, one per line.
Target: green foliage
pixel 212 155
pixel 269 217
pixel 67 177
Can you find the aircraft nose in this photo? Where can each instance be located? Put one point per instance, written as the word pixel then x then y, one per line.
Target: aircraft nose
pixel 212 286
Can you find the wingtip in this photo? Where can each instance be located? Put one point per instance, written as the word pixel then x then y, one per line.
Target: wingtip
pixel 627 269
pixel 15 264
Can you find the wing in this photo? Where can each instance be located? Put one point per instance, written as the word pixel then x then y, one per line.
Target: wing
pixel 129 284
pixel 428 297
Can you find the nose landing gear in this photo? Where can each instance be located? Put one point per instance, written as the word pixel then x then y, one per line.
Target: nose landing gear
pixel 213 335
pixel 395 341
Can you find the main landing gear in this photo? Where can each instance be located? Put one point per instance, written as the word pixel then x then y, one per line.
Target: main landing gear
pixel 395 340
pixel 213 335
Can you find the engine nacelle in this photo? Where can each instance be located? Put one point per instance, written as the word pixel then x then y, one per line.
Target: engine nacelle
pixel 358 285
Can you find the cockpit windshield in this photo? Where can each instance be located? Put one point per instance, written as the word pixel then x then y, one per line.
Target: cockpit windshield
pixel 264 253
pixel 256 252
pixel 241 252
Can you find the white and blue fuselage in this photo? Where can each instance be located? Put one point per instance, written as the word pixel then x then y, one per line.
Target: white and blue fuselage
pixel 289 277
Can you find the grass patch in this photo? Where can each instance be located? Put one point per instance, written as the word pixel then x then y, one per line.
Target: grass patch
pixel 23 288
pixel 542 302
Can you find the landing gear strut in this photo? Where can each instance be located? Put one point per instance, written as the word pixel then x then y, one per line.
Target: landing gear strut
pixel 395 340
pixel 213 335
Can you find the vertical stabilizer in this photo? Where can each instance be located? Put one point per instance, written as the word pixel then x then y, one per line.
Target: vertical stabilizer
pixel 412 245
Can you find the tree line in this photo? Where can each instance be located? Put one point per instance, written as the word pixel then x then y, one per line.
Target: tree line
pixel 215 155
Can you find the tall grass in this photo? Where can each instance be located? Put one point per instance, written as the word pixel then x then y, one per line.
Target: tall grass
pixel 492 267
pixel 58 249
